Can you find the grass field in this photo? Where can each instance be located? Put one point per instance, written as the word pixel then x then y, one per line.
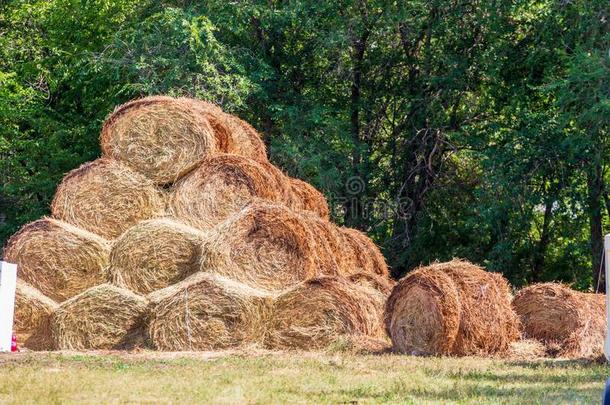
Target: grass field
pixel 261 377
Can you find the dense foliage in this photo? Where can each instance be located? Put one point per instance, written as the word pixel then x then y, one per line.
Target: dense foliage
pixel 444 128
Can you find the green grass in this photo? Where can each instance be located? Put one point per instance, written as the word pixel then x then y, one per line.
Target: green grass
pixel 294 378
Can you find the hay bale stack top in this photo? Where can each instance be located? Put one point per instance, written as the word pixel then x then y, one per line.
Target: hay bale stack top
pixel 161 137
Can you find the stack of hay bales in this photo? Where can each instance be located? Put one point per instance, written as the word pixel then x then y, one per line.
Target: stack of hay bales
pixel 183 236
pixel 568 323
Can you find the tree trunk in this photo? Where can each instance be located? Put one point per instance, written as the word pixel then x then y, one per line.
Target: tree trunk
pixel 595 187
pixel 543 243
pixel 357 186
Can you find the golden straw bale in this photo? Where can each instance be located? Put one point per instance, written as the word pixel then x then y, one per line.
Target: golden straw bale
pixel 106 197
pixel 306 197
pixel 265 246
pixel 155 254
pixel 161 137
pixel 206 312
pixel 103 317
pixel 32 322
pixel 450 308
pixel 221 186
pixel 233 135
pixel 57 258
pixel 572 324
pixel 320 312
pixel 368 255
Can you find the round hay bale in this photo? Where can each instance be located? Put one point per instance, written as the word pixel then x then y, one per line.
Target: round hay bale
pixel 233 135
pixel 264 246
pixel 571 322
pixel 103 317
pixel 221 186
pixel 32 322
pixel 382 284
pixel 367 253
pixel 161 137
pixel 207 312
pixel 155 254
pixel 106 198
pixel 450 308
pixel 320 312
pixel 307 198
pixel 57 258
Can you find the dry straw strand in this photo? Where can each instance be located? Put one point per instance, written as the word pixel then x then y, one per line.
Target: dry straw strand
pixel 103 317
pixel 32 323
pixel 206 312
pixel 57 258
pixel 106 197
pixel 320 312
pixel 161 137
pixel 155 254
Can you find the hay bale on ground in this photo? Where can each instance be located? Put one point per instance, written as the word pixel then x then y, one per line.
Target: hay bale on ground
pixel 57 258
pixel 322 311
pixel 161 137
pixel 234 135
pixel 367 253
pixel 155 254
pixel 264 246
pixel 453 308
pixel 572 324
pixel 221 186
pixel 307 198
pixel 106 198
pixel 103 317
pixel 207 312
pixel 32 323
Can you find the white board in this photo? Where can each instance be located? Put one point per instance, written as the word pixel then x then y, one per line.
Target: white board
pixel 8 284
pixel 607 268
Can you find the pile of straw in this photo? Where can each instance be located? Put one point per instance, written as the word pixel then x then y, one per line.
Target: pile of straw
pixel 570 323
pixel 57 258
pixel 155 254
pixel 453 308
pixel 106 198
pixel 32 318
pixel 206 312
pixel 161 137
pixel 322 311
pixel 103 317
pixel 221 186
pixel 264 246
